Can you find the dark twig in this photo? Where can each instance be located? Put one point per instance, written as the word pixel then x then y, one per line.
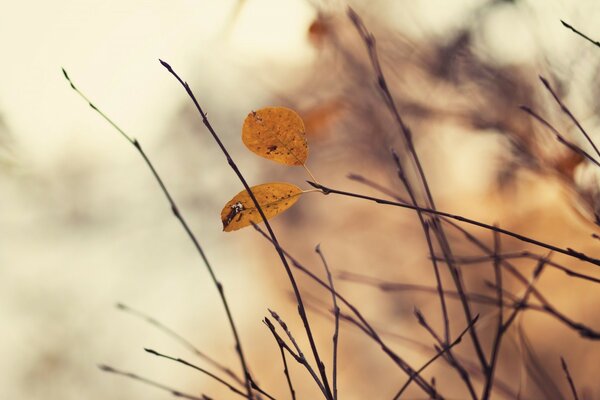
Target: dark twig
pixel 568 251
pixel 187 229
pixel 450 357
pixel 286 372
pixel 489 373
pixel 173 392
pixel 204 371
pixel 472 297
pixel 260 390
pixel 299 356
pixel 536 274
pixel 287 331
pixel 234 167
pixel 468 368
pixel 566 110
pixel 473 239
pixel 595 42
pixel 546 306
pixel 529 255
pixel 571 146
pixel 439 353
pixel 336 313
pixel 364 325
pixel 426 230
pixel 186 343
pixel 568 375
pixel 583 330
pixel 406 134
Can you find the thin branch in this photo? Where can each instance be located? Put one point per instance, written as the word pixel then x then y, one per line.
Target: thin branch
pixel 547 307
pixel 286 372
pixel 479 244
pixel 426 230
pixel 406 135
pixel 364 325
pixel 438 354
pixel 469 367
pixel 568 375
pixel 568 251
pixel 489 376
pixel 566 110
pixel 282 346
pixel 408 287
pixel 173 392
pixel 287 331
pixel 336 313
pixel 234 167
pixel 184 224
pixel 186 343
pixel 260 390
pixel 208 373
pixel 450 357
pixel 536 274
pixel 299 357
pixel 530 255
pixel 595 42
pixel 571 146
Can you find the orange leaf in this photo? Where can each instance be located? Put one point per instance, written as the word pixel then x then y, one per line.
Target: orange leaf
pixel 273 198
pixel 276 133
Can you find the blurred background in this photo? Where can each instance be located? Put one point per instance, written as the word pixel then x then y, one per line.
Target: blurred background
pixel 83 224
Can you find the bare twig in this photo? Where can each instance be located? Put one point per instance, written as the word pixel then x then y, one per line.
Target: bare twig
pixel 186 343
pixel 260 390
pixel 286 372
pixel 364 325
pixel 452 360
pixel 439 353
pixel 567 251
pixel 173 392
pixel 336 313
pixel 204 371
pixel 595 42
pixel 426 230
pixel 470 369
pixel 406 135
pixel 536 274
pixel 234 167
pixel 184 224
pixel 299 356
pixel 546 306
pixel 530 255
pixel 473 239
pixel 566 110
pixel 560 137
pixel 568 375
pixel 489 376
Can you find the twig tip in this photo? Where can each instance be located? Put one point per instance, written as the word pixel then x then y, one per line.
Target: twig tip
pixel 105 368
pixel 165 64
pixel 153 352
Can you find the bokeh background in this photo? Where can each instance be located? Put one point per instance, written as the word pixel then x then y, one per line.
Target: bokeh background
pixel 84 226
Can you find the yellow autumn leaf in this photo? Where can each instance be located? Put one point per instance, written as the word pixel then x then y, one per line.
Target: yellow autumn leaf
pixel 276 133
pixel 273 198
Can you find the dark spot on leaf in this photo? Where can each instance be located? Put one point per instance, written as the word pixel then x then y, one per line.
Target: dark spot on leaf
pixel 236 209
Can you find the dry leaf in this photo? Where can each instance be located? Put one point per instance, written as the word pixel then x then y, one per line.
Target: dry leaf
pixel 276 133
pixel 273 198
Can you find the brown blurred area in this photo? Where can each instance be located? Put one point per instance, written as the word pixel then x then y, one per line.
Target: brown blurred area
pixel 83 225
